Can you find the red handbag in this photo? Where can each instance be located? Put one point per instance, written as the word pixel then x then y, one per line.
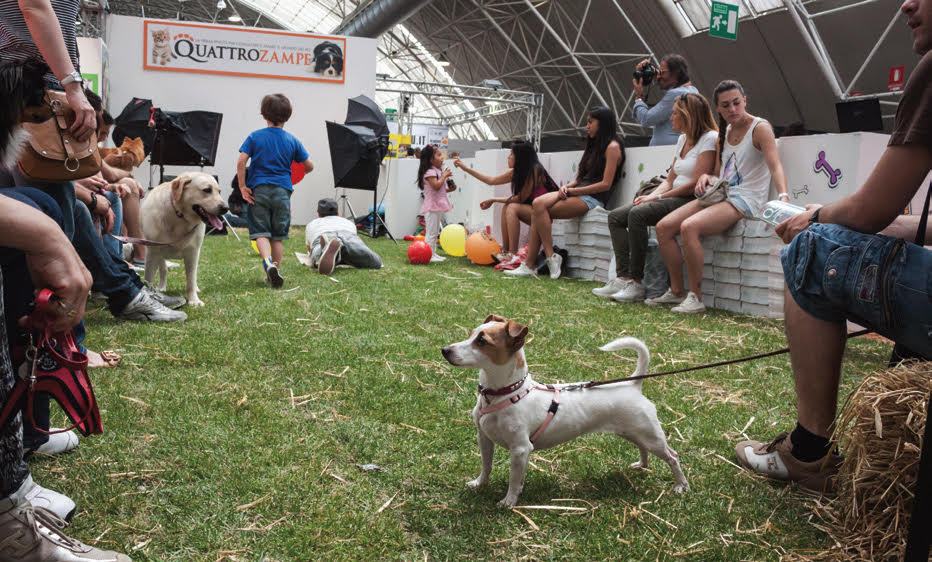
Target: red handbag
pixel 52 363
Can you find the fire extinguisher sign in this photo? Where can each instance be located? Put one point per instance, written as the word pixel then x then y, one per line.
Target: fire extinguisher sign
pixel 897 78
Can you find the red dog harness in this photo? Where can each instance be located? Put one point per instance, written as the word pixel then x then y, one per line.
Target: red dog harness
pixel 551 412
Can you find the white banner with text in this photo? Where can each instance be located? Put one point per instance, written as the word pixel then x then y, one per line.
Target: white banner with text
pixel 237 51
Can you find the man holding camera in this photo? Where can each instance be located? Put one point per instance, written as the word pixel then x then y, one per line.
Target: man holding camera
pixel 672 76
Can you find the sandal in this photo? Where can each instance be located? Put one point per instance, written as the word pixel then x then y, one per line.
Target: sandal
pixel 109 358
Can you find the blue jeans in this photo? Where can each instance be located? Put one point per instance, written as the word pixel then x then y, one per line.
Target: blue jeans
pixel 18 294
pixel 112 276
pixel 62 193
pixel 114 246
pixel 882 283
pixel 270 216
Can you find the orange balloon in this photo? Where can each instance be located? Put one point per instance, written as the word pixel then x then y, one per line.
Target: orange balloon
pixel 418 237
pixel 480 246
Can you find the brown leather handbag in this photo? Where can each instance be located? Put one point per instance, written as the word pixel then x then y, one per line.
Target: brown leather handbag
pixel 52 153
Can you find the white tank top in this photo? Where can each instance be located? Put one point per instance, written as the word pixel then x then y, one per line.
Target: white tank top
pixel 746 169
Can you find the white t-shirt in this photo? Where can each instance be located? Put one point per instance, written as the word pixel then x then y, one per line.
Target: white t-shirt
pixel 684 166
pixel 332 223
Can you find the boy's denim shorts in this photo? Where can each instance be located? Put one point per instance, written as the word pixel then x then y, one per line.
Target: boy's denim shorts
pixel 270 217
pixel 879 282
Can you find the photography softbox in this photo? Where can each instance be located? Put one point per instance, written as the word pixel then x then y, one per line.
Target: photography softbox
pixel 171 138
pixel 354 155
pixel 365 112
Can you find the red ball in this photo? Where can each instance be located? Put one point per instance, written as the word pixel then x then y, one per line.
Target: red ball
pixel 419 252
pixel 297 172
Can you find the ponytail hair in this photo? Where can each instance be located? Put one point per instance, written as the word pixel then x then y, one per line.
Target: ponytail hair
pixel 427 154
pixel 724 86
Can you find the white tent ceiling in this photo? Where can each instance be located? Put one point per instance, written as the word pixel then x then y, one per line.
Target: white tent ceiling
pixel 580 53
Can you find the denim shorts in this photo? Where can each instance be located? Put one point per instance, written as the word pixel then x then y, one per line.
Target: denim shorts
pixel 879 282
pixel 270 217
pixel 741 205
pixel 591 201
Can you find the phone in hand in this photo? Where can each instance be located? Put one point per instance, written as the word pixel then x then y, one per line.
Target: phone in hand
pixel 775 212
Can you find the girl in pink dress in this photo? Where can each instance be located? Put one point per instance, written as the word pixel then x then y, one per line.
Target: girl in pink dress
pixel 433 181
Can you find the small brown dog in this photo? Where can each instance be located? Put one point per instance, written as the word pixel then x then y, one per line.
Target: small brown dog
pixel 127 156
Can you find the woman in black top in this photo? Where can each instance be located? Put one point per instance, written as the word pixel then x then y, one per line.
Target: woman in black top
pixel 599 170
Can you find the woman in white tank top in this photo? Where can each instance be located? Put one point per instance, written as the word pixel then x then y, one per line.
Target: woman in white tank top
pixel 749 160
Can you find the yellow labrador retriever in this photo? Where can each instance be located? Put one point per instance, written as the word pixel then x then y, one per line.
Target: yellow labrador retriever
pixel 174 216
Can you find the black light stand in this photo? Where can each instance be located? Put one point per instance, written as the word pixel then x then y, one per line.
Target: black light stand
pixel 344 202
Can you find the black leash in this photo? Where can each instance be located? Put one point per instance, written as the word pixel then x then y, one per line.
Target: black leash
pixel 708 366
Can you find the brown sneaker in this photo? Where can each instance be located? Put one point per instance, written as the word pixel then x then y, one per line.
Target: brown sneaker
pixel 34 534
pixel 775 460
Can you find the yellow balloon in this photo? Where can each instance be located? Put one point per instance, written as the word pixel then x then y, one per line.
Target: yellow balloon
pixel 480 247
pixel 254 247
pixel 453 239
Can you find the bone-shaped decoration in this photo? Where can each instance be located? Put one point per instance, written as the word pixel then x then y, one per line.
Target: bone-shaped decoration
pixel 804 190
pixel 822 165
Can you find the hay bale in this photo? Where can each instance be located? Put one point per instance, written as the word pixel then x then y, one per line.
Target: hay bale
pixel 880 431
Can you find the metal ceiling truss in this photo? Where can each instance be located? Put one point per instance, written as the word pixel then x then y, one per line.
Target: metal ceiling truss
pixel 403 45
pixel 490 102
pixel 805 22
pixel 546 49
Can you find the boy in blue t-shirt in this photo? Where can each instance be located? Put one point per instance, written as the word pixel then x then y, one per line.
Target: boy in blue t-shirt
pixel 268 188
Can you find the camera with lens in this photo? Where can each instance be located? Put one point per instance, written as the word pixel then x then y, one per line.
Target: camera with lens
pixel 646 74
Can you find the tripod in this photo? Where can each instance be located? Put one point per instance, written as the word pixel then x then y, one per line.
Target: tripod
pixel 344 203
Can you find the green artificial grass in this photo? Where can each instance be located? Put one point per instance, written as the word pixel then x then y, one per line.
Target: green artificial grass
pixel 241 433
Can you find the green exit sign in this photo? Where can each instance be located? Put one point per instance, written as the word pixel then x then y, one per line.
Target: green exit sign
pixel 391 115
pixel 723 22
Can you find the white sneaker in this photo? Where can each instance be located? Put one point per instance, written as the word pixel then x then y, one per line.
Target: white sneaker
pixel 554 264
pixel 145 307
pixel 59 504
pixel 667 298
pixel 611 287
pixel 690 305
pixel 434 258
pixel 34 534
pixel 59 443
pixel 634 291
pixel 521 271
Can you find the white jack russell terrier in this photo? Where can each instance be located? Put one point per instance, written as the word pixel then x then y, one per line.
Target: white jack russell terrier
pixel 521 415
